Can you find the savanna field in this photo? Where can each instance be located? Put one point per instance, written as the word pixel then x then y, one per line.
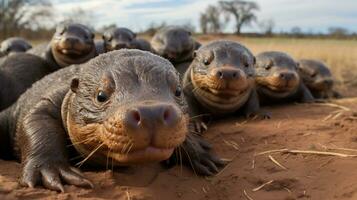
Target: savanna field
pixel 339 55
pixel 305 151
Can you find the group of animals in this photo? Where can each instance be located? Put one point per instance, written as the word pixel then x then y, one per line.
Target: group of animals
pixel 77 100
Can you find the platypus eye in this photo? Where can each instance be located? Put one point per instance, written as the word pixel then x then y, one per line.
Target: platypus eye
pixel 110 38
pixel 160 40
pixel 178 91
pixel 208 58
pixel 269 65
pixel 313 75
pixel 102 97
pixel 206 61
pixel 61 30
pixel 246 65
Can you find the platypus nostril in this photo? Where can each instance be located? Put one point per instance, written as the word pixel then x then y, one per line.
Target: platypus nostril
pixel 133 118
pixel 155 115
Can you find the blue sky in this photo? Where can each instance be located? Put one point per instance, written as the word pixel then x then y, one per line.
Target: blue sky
pixel 310 15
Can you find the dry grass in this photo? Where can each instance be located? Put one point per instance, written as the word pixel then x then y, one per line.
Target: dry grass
pixel 311 152
pixel 339 55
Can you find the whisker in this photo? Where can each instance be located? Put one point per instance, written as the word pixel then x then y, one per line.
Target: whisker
pixel 75 158
pixel 189 159
pixel 112 164
pixel 129 149
pixel 123 150
pixel 107 164
pixel 195 133
pixel 196 116
pixel 180 157
pixel 81 142
pixel 194 89
pixel 91 154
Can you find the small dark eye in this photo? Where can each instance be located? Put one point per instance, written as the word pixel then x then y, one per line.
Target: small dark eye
pixel 102 97
pixel 206 62
pixel 61 30
pixel 246 65
pixel 267 67
pixel 178 92
pixel 313 75
pixel 160 40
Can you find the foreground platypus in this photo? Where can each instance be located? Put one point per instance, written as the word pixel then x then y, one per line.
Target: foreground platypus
pixel 125 105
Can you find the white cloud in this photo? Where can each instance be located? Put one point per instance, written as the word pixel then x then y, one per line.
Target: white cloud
pixel 128 13
pixel 316 15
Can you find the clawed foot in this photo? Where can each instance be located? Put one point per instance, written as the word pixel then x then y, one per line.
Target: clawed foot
pixel 259 115
pixel 52 175
pixel 198 126
pixel 195 153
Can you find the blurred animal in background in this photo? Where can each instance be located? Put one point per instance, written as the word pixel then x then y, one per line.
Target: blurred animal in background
pixel 175 44
pixel 278 80
pixel 318 78
pixel 14 45
pixel 120 38
pixel 220 82
pixel 70 44
pixel 17 73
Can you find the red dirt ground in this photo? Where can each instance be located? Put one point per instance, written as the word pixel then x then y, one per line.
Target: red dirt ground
pixel 314 127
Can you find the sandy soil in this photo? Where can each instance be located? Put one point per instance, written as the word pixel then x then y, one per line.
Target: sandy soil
pixel 313 127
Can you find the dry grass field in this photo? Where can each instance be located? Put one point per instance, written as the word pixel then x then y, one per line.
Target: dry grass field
pixel 339 55
pixel 306 151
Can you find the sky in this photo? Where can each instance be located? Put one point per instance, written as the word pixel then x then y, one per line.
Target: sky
pixel 310 15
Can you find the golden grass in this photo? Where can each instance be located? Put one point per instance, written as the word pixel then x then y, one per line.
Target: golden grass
pixel 339 55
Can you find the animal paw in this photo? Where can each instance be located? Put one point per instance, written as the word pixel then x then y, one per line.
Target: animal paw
pixel 198 126
pixel 259 115
pixel 196 154
pixel 52 175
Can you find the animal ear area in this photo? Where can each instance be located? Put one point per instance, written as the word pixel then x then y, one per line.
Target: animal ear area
pixel 107 36
pixel 297 64
pixel 74 84
pixel 197 45
pixel 61 28
pixel 254 60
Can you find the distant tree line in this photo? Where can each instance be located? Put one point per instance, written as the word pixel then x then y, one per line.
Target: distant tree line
pixel 215 18
pixel 36 19
pixel 33 19
pixel 19 16
pixel 242 13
